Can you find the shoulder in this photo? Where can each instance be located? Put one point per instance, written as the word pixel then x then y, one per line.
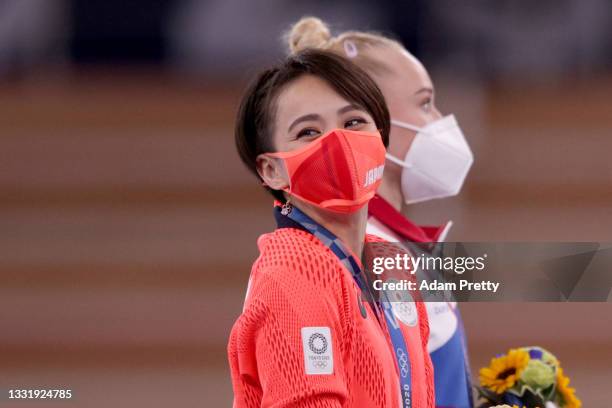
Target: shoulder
pixel 296 274
pixel 295 280
pixel 293 256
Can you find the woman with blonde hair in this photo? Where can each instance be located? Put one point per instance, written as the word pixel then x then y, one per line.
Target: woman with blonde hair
pixel 427 157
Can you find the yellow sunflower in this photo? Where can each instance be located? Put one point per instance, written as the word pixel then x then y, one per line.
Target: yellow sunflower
pixel 567 392
pixel 503 371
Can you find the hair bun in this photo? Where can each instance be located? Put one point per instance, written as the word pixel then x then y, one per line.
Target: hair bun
pixel 309 32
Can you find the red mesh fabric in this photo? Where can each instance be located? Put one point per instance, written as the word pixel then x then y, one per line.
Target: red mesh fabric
pixel 331 165
pixel 340 169
pixel 298 282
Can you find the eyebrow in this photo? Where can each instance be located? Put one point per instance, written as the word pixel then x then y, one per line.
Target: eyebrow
pixel 424 90
pixel 305 118
pixel 314 116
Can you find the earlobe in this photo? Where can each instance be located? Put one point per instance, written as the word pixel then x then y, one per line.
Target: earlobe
pixel 272 172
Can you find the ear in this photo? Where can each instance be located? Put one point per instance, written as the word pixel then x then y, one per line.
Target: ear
pixel 272 171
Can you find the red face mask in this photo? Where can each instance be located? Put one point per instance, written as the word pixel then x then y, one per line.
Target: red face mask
pixel 340 171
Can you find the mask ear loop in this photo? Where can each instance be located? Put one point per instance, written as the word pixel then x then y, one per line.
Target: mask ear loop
pixel 274 156
pixel 397 161
pixel 405 125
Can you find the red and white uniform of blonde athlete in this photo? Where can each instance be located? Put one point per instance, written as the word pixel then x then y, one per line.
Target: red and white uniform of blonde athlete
pixel 298 282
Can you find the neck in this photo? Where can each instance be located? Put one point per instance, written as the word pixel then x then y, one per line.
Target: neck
pixel 349 228
pixel 390 192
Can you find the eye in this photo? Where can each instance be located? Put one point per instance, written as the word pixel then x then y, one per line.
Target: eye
pixel 427 104
pixel 354 123
pixel 307 132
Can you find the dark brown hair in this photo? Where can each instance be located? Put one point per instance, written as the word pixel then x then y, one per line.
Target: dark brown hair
pixel 254 124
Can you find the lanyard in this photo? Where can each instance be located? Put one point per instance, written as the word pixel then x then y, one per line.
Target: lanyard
pixel 400 351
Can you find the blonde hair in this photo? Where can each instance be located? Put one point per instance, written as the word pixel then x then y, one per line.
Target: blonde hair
pixel 312 32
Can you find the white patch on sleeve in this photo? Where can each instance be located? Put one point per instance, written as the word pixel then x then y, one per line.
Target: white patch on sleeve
pixel 318 350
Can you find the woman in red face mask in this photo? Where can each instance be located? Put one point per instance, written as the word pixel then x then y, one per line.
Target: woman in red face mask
pixel 314 130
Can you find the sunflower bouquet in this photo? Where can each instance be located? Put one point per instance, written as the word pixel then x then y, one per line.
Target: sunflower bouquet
pixel 526 377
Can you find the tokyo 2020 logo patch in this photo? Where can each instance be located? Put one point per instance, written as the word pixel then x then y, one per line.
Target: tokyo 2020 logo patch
pixel 317 343
pixel 318 350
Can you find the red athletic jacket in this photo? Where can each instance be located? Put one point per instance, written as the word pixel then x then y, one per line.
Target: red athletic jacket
pixel 306 339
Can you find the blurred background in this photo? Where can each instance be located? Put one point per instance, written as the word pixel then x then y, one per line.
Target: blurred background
pixel 128 223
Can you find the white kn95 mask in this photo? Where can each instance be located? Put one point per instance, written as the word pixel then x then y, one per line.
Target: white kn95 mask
pixel 436 163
